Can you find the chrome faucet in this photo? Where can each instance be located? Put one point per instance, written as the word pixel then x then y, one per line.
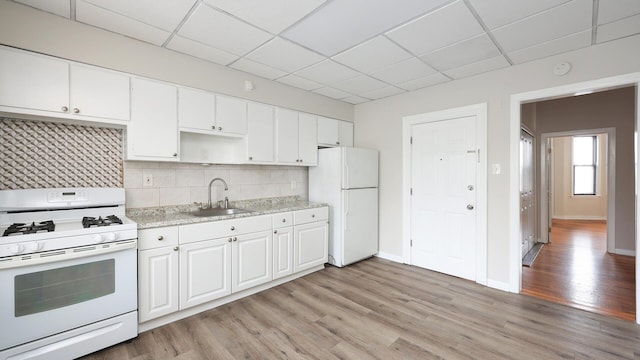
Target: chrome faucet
pixel 226 200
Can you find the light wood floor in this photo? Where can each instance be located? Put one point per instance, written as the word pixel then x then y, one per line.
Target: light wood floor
pixel 377 309
pixel 575 269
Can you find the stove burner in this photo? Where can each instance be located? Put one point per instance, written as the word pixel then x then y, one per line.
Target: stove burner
pixel 92 221
pixel 21 228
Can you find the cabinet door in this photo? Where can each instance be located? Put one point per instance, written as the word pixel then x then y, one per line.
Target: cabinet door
pixel 310 245
pixel 345 133
pixel 33 82
pixel 252 257
pixel 205 271
pixel 153 131
pixel 307 139
pixel 287 136
pixel 157 282
pixel 282 252
pixel 328 130
pixel 231 115
pixel 99 93
pixel 261 132
pixel 196 110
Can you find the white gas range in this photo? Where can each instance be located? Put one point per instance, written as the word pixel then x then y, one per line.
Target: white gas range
pixel 68 269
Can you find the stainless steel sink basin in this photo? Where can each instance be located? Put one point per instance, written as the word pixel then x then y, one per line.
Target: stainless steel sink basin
pixel 219 212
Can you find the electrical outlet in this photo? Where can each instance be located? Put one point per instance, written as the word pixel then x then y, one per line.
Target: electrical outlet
pixel 294 185
pixel 147 180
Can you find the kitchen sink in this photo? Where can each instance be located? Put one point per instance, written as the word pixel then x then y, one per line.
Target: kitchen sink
pixel 219 212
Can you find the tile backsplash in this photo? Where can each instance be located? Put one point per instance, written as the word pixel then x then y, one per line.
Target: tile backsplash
pixel 181 184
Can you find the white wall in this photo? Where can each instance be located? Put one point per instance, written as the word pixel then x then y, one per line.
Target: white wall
pixel 378 125
pixel 30 29
pixel 567 206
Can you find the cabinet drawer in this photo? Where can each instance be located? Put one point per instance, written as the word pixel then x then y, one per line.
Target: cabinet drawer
pixel 310 215
pixel 223 228
pixel 282 219
pixel 157 237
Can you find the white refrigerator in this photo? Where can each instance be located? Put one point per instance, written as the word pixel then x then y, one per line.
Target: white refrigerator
pixel 347 179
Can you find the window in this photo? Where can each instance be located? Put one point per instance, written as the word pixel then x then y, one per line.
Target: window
pixel 584 165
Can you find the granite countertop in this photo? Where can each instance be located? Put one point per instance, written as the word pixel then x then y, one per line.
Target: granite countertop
pixel 147 218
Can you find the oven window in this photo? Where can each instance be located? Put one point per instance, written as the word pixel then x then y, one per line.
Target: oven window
pixel 51 289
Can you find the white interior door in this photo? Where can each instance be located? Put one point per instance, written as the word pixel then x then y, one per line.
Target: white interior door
pixel 444 158
pixel 360 238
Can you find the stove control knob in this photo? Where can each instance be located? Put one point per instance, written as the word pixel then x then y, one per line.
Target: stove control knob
pixel 16 249
pixel 111 236
pixel 35 246
pixel 97 238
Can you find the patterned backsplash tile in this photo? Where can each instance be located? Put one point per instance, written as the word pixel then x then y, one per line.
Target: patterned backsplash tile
pixel 39 154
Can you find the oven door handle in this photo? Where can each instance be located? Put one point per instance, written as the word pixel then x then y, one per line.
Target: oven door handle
pixel 66 254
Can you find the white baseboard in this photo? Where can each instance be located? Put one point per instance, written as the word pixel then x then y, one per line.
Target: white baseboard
pixel 580 217
pixel 625 252
pixel 391 257
pixel 498 285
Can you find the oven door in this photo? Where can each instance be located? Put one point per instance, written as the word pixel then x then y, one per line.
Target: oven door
pixel 50 297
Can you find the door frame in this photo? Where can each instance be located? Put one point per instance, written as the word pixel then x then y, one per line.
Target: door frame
pixel 611 179
pixel 515 259
pixel 480 112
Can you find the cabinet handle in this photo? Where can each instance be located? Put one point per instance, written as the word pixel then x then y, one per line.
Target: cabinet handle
pixel 160 238
pixel 175 154
pixel 176 248
pixel 64 108
pixel 313 215
pixel 250 157
pixel 76 110
pixel 230 239
pixel 233 228
pixel 275 231
pixel 284 220
pixel 235 238
pixel 220 128
pixel 337 142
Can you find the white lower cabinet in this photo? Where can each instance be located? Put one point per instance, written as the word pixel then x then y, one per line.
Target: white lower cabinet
pixel 183 266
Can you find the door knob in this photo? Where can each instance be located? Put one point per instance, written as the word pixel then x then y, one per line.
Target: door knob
pixel 469 207
pixel 470 187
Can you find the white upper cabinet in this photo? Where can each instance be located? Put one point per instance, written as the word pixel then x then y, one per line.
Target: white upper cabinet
pixel 99 93
pixel 153 131
pixel 296 138
pixel 332 132
pixel 196 110
pixel 261 133
pixel 231 115
pixel 33 82
pixel 41 85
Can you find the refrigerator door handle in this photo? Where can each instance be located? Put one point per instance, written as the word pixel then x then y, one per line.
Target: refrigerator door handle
pixel 346 211
pixel 346 174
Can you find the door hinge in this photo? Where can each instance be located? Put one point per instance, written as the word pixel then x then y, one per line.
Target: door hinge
pixel 411 191
pixel 549 150
pixel 549 229
pixel 410 242
pixel 411 140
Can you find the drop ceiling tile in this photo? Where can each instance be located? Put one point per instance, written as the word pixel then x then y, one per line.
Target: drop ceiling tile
pixel 383 93
pixel 495 13
pixel 163 14
pixel 340 25
pixel 57 7
pixel 372 55
pixel 426 81
pixel 299 82
pixel 284 55
pixel 222 31
pixel 200 50
pixel 255 68
pixel 273 15
pixel 618 29
pixel 435 30
pixel 549 48
pixel 332 93
pixel 359 85
pixel 327 72
pixel 612 10
pixel 403 71
pixel 462 53
pixel 96 16
pixel 567 19
pixel 355 100
pixel 479 67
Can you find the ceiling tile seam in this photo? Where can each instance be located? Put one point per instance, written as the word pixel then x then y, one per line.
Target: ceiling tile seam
pixel 72 10
pixel 594 21
pixel 182 22
pixel 235 17
pixel 125 16
pixel 304 18
pixel 487 31
pixel 413 54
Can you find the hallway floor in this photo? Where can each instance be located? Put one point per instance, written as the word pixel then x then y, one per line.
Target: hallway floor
pixel 576 270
